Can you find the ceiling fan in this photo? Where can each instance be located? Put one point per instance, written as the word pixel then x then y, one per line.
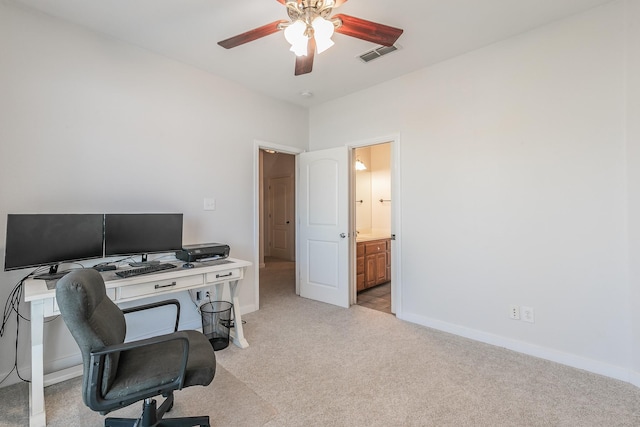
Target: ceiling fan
pixel 311 28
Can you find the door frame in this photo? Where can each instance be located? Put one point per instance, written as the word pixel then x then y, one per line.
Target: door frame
pixel 396 282
pixel 257 146
pixel 396 247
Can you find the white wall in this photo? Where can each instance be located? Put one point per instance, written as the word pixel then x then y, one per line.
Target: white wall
pixel 633 165
pixel 373 184
pixel 88 124
pixel 363 191
pixel 381 189
pixel 514 188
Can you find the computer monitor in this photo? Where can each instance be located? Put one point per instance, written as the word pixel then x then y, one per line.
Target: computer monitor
pixel 142 234
pixel 35 240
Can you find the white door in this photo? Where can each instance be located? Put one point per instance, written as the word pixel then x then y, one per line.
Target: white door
pixel 324 225
pixel 281 211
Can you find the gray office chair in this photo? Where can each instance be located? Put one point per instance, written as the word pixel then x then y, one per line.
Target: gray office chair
pixel 117 374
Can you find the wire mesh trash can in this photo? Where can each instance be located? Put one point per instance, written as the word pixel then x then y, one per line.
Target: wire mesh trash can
pixel 216 321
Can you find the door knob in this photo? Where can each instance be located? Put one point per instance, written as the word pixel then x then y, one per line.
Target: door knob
pixel 343 235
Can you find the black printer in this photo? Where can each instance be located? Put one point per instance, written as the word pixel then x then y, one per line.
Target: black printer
pixel 203 252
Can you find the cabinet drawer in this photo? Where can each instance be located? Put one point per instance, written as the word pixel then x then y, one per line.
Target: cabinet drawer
pixel 375 247
pixel 360 249
pixel 221 276
pixel 159 285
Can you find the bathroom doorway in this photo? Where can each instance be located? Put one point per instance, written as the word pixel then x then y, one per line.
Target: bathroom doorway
pixel 372 190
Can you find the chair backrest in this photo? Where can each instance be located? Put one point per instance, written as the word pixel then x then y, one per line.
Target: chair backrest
pixel 92 318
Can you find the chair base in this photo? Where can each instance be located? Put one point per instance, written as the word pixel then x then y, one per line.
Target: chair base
pixel 170 422
pixel 152 417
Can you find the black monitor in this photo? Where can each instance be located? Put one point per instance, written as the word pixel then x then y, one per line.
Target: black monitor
pixel 35 240
pixel 142 234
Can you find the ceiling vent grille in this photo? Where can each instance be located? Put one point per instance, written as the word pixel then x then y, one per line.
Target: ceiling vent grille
pixel 377 53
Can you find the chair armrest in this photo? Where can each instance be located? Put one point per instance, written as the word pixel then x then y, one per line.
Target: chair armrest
pixel 117 348
pixel 97 365
pixel 156 305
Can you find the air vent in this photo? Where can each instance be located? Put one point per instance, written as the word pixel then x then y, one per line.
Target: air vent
pixel 377 53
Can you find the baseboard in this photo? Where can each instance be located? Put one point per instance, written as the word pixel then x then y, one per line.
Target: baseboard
pixel 248 309
pixel 552 355
pixel 634 378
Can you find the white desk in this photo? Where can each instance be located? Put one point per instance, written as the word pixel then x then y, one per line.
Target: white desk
pixel 43 304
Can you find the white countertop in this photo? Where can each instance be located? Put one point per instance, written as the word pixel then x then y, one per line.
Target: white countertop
pixel 369 237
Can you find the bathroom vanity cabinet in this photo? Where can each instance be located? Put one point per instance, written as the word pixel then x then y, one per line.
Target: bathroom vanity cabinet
pixel 373 263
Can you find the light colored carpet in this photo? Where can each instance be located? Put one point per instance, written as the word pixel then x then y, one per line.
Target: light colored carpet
pixel 312 364
pixel 227 402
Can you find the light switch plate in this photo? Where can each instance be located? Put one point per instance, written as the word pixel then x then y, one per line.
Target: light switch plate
pixel 209 204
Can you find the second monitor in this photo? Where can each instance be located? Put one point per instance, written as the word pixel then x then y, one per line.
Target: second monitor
pixel 142 234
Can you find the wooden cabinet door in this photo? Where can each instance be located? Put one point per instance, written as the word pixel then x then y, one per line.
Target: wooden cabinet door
pixel 381 267
pixel 360 267
pixel 375 265
pixel 370 271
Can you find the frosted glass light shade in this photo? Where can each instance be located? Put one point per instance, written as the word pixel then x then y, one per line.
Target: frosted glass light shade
pixel 295 35
pixel 322 30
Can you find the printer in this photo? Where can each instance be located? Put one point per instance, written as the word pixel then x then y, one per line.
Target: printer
pixel 203 252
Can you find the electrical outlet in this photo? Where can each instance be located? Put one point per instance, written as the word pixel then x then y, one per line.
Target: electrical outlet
pixel 514 312
pixel 527 314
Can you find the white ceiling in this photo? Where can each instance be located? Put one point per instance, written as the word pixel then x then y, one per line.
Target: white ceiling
pixel 188 31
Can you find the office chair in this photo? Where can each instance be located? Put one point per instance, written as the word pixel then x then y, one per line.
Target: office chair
pixel 117 374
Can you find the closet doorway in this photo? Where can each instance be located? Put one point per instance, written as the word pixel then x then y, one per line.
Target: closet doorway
pixel 276 212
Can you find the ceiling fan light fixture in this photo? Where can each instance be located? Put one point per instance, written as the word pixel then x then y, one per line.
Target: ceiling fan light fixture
pixel 322 32
pixel 296 35
pixel 310 28
pixel 300 47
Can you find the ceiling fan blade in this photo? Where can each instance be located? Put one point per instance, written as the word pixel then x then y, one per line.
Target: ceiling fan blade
pixel 304 64
pixel 367 30
pixel 337 2
pixel 252 35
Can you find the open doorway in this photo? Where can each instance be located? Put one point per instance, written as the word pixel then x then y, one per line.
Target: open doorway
pixel 276 230
pixel 372 218
pixel 312 171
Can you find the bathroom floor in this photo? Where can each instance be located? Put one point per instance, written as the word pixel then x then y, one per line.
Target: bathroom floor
pixel 377 298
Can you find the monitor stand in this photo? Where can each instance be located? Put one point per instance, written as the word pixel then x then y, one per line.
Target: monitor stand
pixel 52 274
pixel 143 262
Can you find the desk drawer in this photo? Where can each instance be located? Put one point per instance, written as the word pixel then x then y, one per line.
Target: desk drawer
pixel 51 306
pixel 158 286
pixel 221 276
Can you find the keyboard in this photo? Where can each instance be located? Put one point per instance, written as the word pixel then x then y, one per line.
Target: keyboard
pixel 145 270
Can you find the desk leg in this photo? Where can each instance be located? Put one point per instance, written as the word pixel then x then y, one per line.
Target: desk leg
pixel 237 333
pixel 37 416
pixel 238 336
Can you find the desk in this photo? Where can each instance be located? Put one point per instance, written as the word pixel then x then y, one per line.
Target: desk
pixel 43 304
